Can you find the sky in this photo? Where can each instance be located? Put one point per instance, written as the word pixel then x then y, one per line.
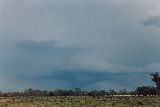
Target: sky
pixel 91 44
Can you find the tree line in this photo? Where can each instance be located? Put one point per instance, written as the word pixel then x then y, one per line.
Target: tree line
pixel 141 91
pixel 61 92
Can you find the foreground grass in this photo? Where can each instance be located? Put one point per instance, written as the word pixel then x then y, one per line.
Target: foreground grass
pixel 82 101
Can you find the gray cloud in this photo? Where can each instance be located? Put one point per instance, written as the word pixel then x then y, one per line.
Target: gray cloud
pixel 153 21
pixel 42 36
pixel 32 58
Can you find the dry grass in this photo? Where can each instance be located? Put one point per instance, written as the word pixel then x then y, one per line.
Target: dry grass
pixel 82 101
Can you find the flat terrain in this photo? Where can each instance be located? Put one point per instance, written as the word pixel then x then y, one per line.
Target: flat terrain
pixel 81 101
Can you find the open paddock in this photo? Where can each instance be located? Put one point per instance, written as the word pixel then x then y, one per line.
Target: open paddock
pixel 81 101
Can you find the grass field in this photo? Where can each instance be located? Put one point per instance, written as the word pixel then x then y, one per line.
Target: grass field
pixel 82 101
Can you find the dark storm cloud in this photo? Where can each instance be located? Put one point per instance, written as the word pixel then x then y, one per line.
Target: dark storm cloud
pixel 32 57
pixel 88 79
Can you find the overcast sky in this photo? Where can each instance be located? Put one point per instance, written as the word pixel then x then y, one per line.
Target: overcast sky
pixel 92 44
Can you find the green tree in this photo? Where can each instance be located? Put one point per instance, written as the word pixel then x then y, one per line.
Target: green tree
pixel 156 79
pixel 146 90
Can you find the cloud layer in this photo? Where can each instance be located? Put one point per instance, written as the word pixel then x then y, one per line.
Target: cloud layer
pixel 72 43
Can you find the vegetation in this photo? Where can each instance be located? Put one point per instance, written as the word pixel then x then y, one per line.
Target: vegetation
pixel 82 101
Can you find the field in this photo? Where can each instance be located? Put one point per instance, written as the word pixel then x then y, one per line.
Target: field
pixel 81 101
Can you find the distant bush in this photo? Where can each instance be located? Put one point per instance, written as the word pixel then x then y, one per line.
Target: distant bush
pixel 146 90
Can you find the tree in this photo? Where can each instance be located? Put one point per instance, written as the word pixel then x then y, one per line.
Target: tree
pixel 112 92
pixel 50 93
pixel 78 91
pixel 156 79
pixel 146 90
pixel 93 93
pixel 102 93
pixel 123 92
